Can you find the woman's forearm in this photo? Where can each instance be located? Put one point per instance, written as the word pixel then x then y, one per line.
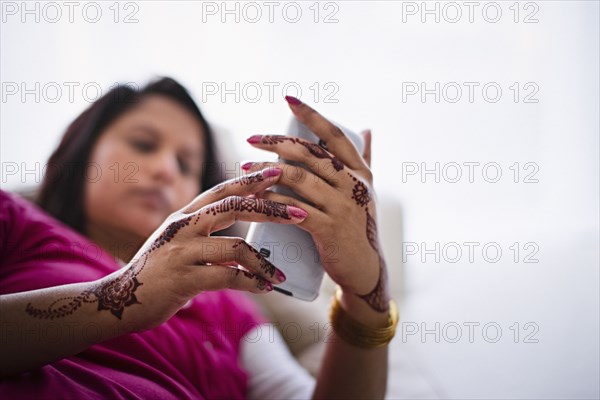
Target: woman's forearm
pixel 41 326
pixel 352 372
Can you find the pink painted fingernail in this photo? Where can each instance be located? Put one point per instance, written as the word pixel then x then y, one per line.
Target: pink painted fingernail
pixel 269 172
pixel 297 212
pixel 247 165
pixel 292 100
pixel 254 139
pixel 280 276
pixel 268 286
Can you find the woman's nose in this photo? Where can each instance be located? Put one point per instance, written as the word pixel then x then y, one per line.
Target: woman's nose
pixel 165 167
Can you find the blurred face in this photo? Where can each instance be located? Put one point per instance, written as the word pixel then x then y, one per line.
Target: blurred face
pixel 150 160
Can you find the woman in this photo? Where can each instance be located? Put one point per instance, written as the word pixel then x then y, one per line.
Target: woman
pixel 164 325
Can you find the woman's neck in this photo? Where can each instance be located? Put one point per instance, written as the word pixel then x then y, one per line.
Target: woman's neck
pixel 121 245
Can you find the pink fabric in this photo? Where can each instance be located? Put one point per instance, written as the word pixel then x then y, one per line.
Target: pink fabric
pixel 193 355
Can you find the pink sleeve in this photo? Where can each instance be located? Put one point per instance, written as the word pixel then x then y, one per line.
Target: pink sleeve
pixel 38 251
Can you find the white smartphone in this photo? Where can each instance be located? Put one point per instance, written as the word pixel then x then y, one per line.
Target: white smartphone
pixel 288 247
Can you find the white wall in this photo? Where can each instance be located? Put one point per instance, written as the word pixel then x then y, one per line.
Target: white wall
pixel 367 55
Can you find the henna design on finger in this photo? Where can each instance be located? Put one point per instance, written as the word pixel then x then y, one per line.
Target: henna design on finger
pixel 261 284
pixel 378 298
pixel 246 273
pixel 251 178
pixel 276 139
pixel 220 188
pixel 113 295
pixel 255 177
pixel 170 232
pixel 320 152
pixel 264 206
pixel 313 148
pixel 265 265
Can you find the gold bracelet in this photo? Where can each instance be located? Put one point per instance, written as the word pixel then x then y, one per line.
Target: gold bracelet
pixel 358 334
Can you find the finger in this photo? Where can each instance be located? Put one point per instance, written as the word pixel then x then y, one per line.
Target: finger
pixel 316 219
pixel 223 213
pixel 215 277
pixel 304 183
pixel 317 159
pixel 223 250
pixel 366 134
pixel 229 264
pixel 241 186
pixel 335 139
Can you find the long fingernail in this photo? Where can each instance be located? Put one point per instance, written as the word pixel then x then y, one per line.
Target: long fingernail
pixel 280 275
pixel 269 172
pixel 254 139
pixel 297 212
pixel 247 165
pixel 292 100
pixel 268 286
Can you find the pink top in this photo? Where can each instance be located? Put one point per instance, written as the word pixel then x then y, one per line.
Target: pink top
pixel 192 355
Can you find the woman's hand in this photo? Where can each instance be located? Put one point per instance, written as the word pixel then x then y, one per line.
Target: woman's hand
pixel 342 214
pixel 181 259
pixel 176 263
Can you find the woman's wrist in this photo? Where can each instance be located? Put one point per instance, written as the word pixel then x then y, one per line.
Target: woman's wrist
pixel 360 327
pixel 362 312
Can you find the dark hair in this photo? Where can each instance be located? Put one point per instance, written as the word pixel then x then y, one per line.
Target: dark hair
pixel 62 194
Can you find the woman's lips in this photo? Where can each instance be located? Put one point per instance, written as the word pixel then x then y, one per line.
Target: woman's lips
pixel 153 198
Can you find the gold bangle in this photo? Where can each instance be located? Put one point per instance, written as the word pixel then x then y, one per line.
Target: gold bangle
pixel 358 334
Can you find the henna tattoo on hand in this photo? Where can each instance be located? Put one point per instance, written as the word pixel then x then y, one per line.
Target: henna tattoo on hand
pixel 276 139
pixel 314 149
pixel 378 298
pixel 118 293
pixel 263 206
pixel 170 232
pixel 113 295
pixel 372 232
pixel 261 283
pixel 265 265
pixel 52 312
pixel 249 179
pixel 320 152
pixel 360 192
pixel 220 188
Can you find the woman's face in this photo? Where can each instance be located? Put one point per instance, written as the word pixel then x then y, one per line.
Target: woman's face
pixel 149 164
